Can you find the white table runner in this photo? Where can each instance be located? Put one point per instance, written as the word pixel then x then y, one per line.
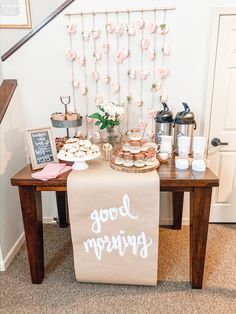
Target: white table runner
pixel 114 218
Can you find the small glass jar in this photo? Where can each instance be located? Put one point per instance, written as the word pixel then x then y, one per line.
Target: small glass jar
pixel 126 144
pixel 134 147
pixel 143 145
pixel 150 158
pixel 119 158
pixel 128 160
pixel 139 160
pixel 135 134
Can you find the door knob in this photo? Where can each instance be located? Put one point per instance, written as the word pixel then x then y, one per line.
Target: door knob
pixel 217 142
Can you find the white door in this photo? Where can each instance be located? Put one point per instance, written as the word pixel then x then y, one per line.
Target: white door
pixel 223 121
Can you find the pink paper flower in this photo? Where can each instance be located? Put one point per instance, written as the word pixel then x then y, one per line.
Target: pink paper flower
pixel 110 27
pixel 121 116
pixel 163 71
pixel 96 136
pixel 163 29
pixel 152 28
pixel 143 74
pixel 119 29
pixel 99 100
pixel 151 112
pixel 131 30
pixel 142 124
pixel 75 84
pixel 132 74
pixel 97 56
pixel 95 75
pixel 106 78
pixel 140 23
pixel 116 88
pixel 95 33
pixel 81 59
pixel 155 87
pixel 106 47
pixel 164 97
pixel 70 54
pixel 89 120
pixel 166 49
pixel 145 43
pixel 152 54
pixel 121 55
pixel 71 28
pixel 83 90
pixel 86 36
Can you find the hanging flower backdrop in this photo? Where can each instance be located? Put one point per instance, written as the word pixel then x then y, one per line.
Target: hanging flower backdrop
pixel 119 57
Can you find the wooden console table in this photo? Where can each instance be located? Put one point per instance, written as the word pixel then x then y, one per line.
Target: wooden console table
pixel 176 181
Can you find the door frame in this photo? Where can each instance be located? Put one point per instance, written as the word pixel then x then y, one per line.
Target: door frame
pixel 217 13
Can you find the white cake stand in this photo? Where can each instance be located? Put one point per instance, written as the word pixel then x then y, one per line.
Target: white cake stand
pixel 79 163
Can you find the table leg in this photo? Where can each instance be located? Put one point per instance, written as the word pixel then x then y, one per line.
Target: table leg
pixel 31 206
pixel 200 203
pixel 177 204
pixel 62 208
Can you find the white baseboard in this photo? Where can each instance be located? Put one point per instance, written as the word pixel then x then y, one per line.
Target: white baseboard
pixel 169 221
pixel 10 256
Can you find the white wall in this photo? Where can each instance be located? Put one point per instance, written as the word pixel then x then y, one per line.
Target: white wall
pixel 39 10
pixel 43 74
pixel 12 159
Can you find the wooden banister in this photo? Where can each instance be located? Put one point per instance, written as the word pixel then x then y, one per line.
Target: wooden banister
pixel 36 29
pixel 7 89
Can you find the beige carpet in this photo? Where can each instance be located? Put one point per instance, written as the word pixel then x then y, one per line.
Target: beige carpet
pixel 61 293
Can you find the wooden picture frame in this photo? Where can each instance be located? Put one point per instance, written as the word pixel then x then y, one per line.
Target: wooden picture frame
pixel 15 14
pixel 42 148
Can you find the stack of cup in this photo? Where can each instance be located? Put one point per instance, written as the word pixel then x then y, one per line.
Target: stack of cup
pixel 199 144
pixel 165 147
pixel 182 162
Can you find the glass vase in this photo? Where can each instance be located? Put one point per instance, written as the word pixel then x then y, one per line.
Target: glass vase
pixel 111 135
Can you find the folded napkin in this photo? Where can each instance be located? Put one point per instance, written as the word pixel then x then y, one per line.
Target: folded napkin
pixel 50 171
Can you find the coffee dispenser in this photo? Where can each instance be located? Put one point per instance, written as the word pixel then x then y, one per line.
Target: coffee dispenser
pixel 184 125
pixel 164 122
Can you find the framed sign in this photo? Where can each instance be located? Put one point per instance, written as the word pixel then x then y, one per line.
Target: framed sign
pixel 15 14
pixel 42 148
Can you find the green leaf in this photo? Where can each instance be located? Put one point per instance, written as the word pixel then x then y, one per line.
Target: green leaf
pixel 102 127
pixel 98 122
pixel 95 115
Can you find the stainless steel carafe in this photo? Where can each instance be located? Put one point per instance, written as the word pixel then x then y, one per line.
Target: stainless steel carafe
pixel 164 122
pixel 184 124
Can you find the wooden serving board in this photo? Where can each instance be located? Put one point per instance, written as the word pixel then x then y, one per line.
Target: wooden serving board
pixel 134 169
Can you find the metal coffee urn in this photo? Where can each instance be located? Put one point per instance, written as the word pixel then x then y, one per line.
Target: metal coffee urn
pixel 184 125
pixel 164 122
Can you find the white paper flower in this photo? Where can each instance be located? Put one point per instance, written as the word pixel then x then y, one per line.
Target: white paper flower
pixel 75 84
pixel 99 100
pixel 132 74
pixel 121 55
pixel 151 112
pixel 142 124
pixel 166 49
pixel 163 71
pixel 150 134
pixel 83 90
pixel 81 60
pixel 145 43
pixel 86 36
pixel 95 33
pixel 97 56
pixel 163 29
pixel 143 74
pixel 109 27
pixel 155 87
pixel 106 78
pixel 164 97
pixel 140 23
pixel 139 102
pixel 119 29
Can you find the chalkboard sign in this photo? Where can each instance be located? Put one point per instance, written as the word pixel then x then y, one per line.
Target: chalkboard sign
pixel 42 148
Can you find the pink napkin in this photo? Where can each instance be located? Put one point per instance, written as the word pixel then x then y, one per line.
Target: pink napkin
pixel 50 171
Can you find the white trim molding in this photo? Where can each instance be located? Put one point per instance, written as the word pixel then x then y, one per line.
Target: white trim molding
pixel 217 13
pixel 13 252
